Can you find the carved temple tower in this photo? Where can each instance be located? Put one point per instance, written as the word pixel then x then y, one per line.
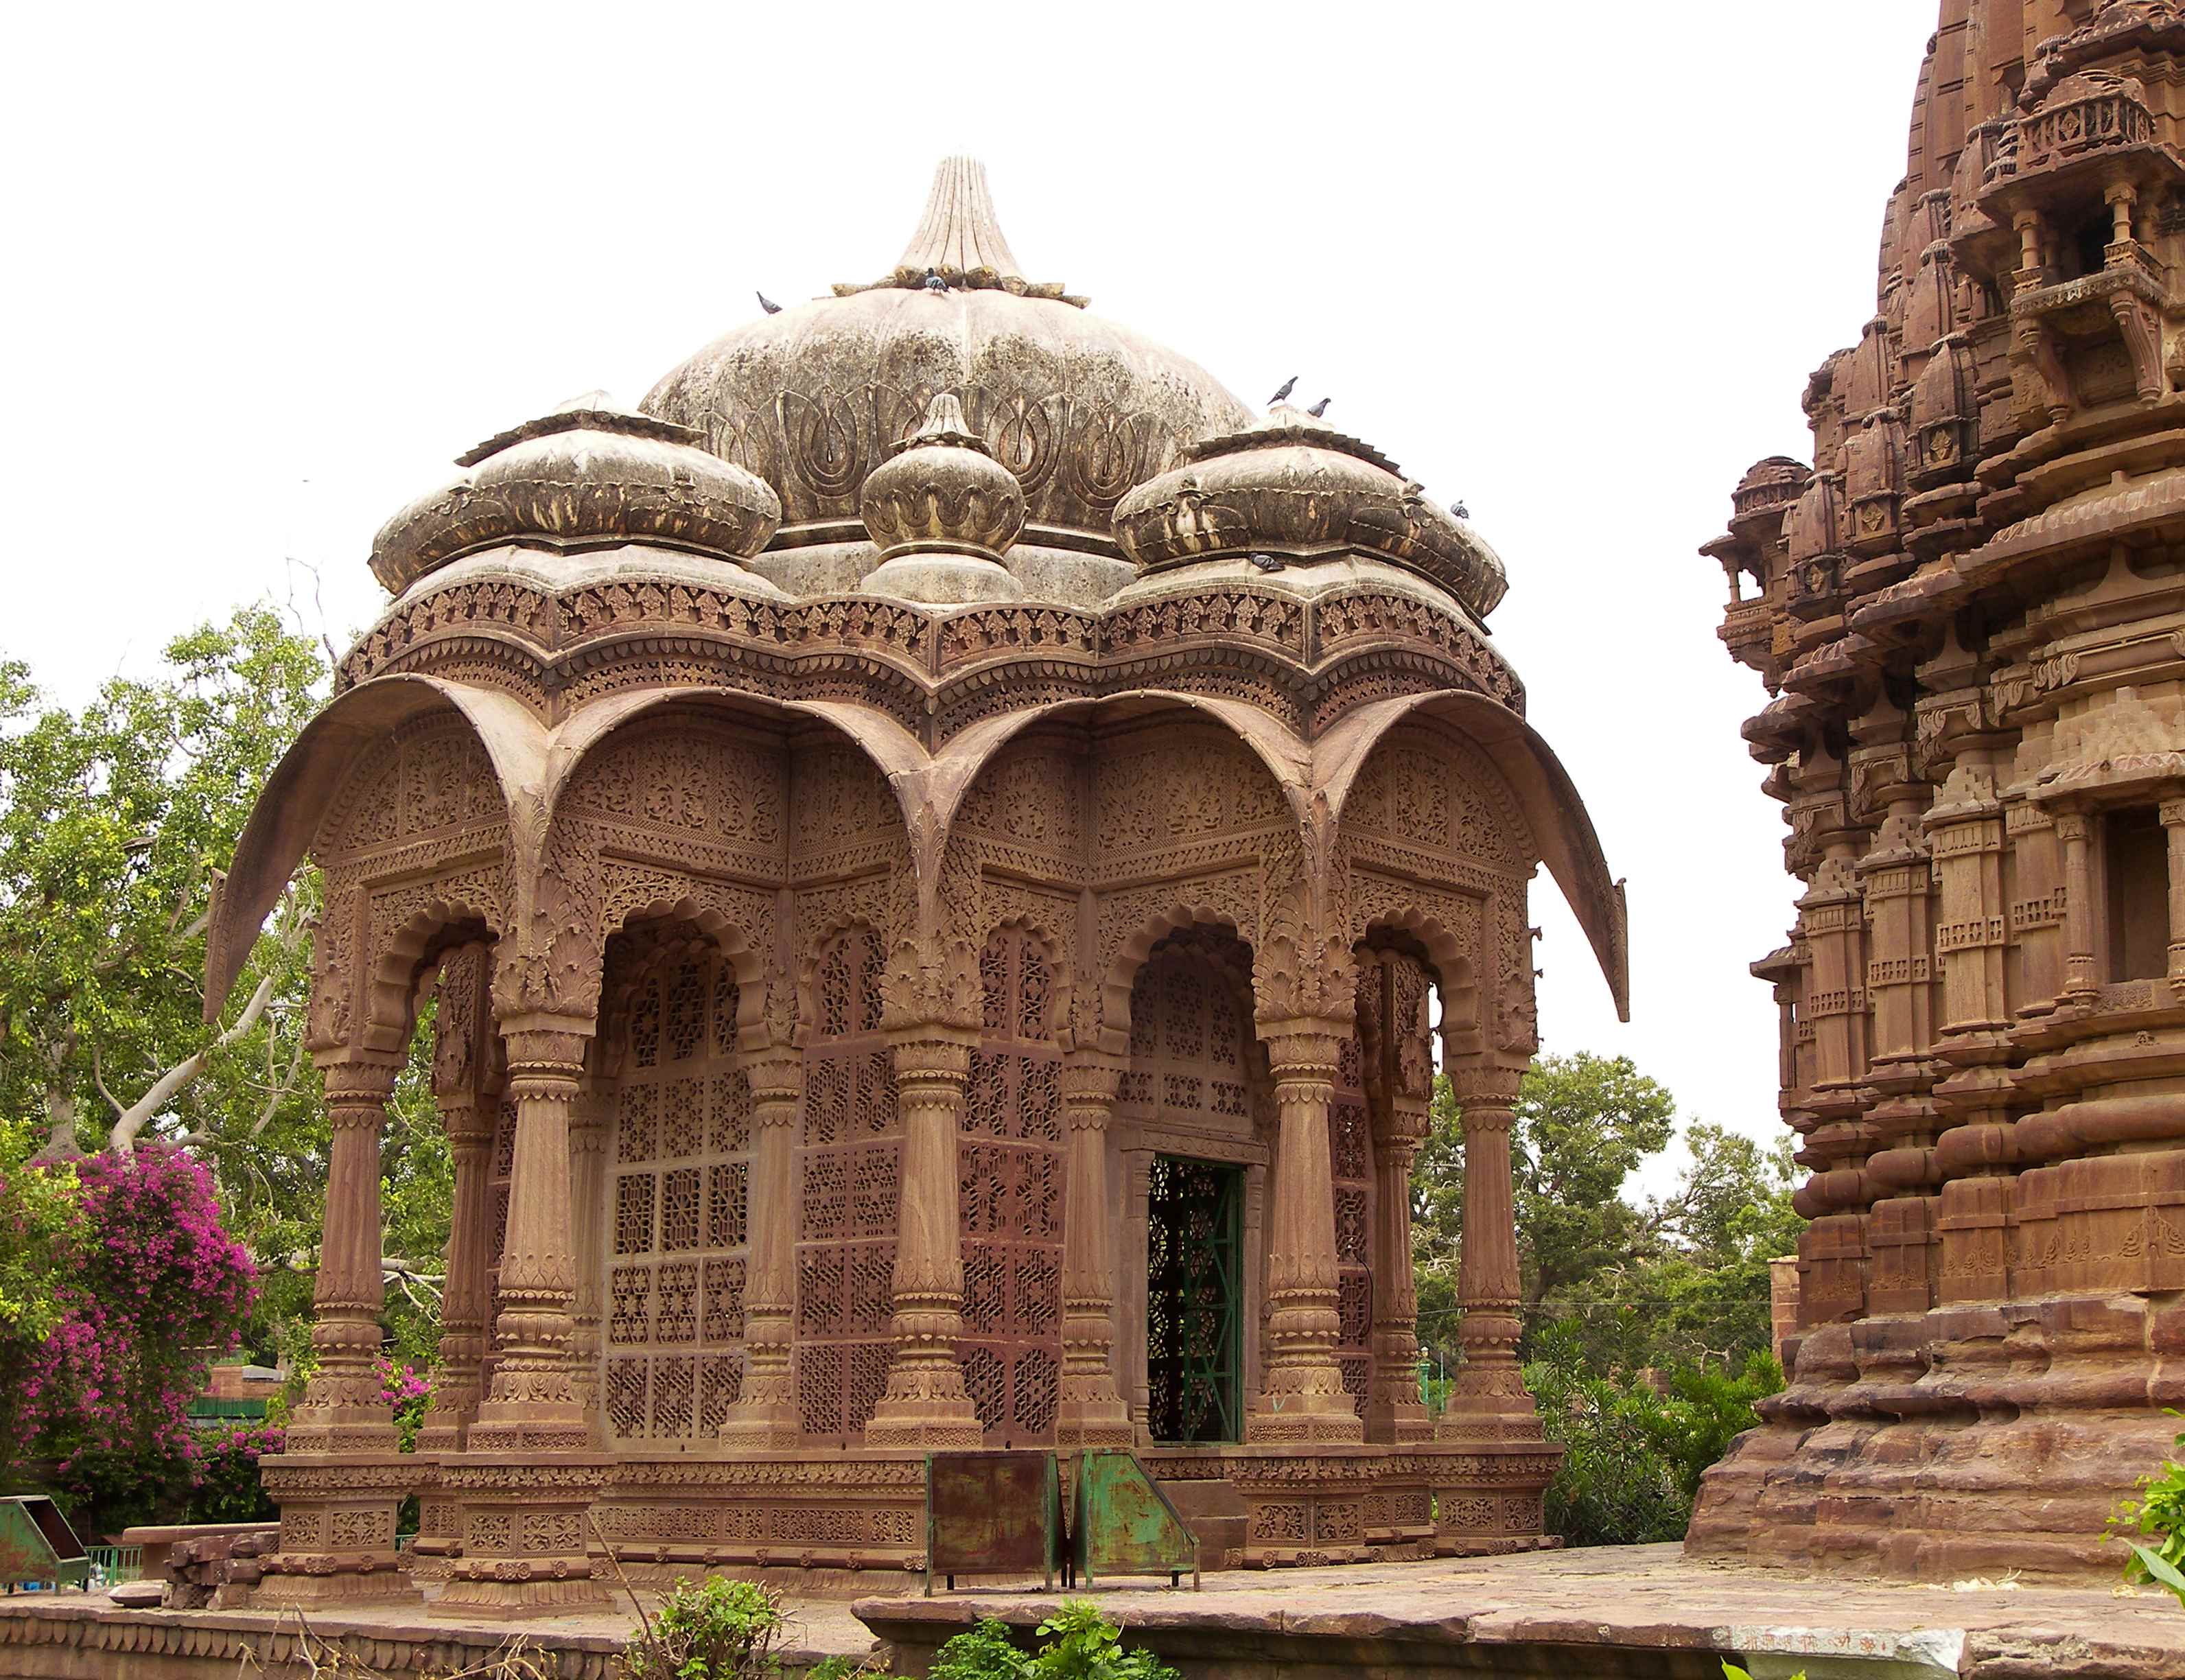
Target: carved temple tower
pixel 1971 613
pixel 936 840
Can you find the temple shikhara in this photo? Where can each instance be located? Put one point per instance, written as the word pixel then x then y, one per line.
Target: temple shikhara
pixel 1970 612
pixel 938 846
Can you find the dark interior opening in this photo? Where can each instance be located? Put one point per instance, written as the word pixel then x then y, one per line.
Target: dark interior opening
pixel 2136 868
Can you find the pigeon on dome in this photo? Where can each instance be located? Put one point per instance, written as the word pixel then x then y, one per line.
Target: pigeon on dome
pixel 1282 395
pixel 767 304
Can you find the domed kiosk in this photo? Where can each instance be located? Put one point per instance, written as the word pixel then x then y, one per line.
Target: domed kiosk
pixel 936 843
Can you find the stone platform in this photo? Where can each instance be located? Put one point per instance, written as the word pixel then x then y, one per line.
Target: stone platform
pixel 1606 1611
pixel 1617 1613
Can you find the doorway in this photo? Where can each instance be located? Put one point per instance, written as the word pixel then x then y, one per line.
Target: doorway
pixel 1195 1277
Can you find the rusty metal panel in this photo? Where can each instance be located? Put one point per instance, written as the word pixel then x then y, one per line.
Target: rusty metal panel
pixel 37 1544
pixel 992 1514
pixel 1123 1524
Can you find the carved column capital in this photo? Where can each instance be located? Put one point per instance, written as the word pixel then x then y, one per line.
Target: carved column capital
pixel 358 1087
pixel 1090 1083
pixel 1481 1085
pixel 1304 1048
pixel 546 1046
pixel 776 1078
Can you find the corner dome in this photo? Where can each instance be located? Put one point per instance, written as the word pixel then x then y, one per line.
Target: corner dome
pixel 1291 484
pixel 814 398
pixel 587 475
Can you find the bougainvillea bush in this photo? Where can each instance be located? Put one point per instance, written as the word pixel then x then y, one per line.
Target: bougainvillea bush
pixel 225 1485
pixel 151 1289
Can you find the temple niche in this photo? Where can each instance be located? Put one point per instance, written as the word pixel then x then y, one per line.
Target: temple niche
pixel 941 844
pixel 1969 613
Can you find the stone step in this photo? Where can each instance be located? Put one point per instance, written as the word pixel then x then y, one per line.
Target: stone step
pixel 1215 1512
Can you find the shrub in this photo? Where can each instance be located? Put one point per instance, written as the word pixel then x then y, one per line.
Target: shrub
pixel 2158 1513
pixel 715 1629
pixel 226 1487
pixel 1633 1453
pixel 1080 1644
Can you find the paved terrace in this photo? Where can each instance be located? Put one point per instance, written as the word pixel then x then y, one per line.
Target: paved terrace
pixel 1629 1611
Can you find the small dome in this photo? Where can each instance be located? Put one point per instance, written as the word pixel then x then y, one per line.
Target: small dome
pixel 942 491
pixel 1293 485
pixel 942 511
pixel 1770 485
pixel 587 475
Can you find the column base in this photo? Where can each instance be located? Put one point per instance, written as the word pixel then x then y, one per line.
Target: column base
pixel 937 1430
pixel 1091 1414
pixel 925 1406
pixel 762 1426
pixel 1305 1404
pixel 337 1544
pixel 525 1534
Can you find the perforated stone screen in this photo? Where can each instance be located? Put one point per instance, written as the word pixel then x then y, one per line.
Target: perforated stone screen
pixel 1010 1199
pixel 677 1216
pixel 849 1180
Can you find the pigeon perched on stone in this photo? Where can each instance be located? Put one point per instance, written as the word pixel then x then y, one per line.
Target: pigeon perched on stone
pixel 768 303
pixel 1461 511
pixel 1283 395
pixel 934 283
pixel 1319 408
pixel 1267 562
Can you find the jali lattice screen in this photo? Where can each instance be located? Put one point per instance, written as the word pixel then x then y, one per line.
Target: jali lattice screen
pixel 1010 1199
pixel 849 1173
pixel 678 1214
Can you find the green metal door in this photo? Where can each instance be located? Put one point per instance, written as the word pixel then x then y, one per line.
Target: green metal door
pixel 1194 1303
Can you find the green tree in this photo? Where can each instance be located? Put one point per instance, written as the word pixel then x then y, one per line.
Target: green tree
pixel 1675 1279
pixel 114 823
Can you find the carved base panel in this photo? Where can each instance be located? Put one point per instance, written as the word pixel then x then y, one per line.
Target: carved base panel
pixel 1971 1441
pixel 787 1510
pixel 524 1545
pixel 337 1514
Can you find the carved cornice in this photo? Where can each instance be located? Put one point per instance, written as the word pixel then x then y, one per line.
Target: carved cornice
pixel 936 673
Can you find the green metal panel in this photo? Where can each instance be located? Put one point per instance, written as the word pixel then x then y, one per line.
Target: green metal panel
pixel 1194 1300
pixel 37 1544
pixel 1123 1524
pixel 205 1407
pixel 992 1514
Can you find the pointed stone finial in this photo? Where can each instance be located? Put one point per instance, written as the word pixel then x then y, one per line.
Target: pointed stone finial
pixel 960 240
pixel 945 424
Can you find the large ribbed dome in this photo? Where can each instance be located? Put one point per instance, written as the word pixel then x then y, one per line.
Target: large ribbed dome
pixel 814 399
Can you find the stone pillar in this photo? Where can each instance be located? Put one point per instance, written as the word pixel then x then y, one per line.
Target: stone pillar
pixel 588 1161
pixel 527 1482
pixel 1302 1397
pixel 462 1053
pixel 926 1404
pixel 1488 1401
pixel 465 1301
pixel 2074 828
pixel 341 1479
pixel 2173 811
pixel 1091 1413
pixel 765 1414
pixel 1393 1410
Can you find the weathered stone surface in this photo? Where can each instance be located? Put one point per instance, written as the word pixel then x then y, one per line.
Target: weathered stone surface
pixel 1972 618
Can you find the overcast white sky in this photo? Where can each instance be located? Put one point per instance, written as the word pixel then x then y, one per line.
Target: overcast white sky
pixel 273 268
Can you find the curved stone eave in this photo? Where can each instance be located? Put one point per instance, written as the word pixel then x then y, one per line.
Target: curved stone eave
pixel 285 819
pixel 892 748
pixel 1561 827
pixel 1288 759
